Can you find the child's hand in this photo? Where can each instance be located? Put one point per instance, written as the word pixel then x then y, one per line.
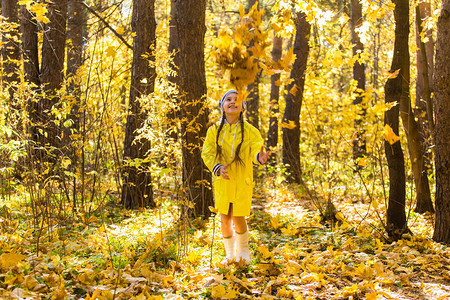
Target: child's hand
pixel 223 172
pixel 263 156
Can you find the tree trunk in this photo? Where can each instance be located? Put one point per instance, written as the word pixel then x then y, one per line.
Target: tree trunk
pixel 415 149
pixel 52 74
pixel 10 50
pixel 272 135
pixel 28 30
pixel 424 56
pixel 395 89
pixel 76 25
pixel 423 111
pixel 173 48
pixel 415 139
pixel 253 88
pixel 253 102
pixel 442 111
pixel 137 188
pixel 359 75
pixel 294 97
pixel 191 33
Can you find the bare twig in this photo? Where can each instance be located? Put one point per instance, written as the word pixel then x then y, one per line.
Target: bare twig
pixel 119 36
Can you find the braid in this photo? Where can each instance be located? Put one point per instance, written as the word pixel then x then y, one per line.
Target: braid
pixel 219 147
pixel 238 149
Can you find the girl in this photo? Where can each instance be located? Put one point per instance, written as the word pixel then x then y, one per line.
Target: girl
pixel 229 151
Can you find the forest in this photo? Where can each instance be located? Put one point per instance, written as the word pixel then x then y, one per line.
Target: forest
pixel 105 107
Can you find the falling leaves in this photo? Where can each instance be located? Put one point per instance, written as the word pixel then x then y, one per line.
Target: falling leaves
pixel 391 75
pixel 288 125
pixel 389 135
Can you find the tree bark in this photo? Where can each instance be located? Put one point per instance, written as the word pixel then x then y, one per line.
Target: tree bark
pixel 441 81
pixel 395 89
pixel 359 75
pixel 173 48
pixel 75 28
pixel 253 88
pixel 424 57
pixel 415 139
pixel 137 190
pixel 272 135
pixel 423 111
pixel 191 30
pixel 10 49
pixel 52 75
pixel 415 149
pixel 28 29
pixel 253 102
pixel 294 98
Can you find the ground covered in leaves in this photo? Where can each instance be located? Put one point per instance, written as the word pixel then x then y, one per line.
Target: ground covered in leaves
pixel 153 254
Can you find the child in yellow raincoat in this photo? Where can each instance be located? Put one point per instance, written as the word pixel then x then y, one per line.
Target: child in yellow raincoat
pixel 229 151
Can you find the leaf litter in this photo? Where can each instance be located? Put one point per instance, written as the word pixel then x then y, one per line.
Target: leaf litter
pixel 152 254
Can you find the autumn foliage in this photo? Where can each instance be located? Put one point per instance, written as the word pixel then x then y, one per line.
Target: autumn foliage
pixel 65 233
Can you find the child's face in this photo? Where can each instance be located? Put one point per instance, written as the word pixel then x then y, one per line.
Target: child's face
pixel 230 106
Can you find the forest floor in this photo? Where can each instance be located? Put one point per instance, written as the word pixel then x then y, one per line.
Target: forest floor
pixel 152 254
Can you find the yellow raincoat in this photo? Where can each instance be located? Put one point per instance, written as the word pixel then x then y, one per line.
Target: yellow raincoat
pixel 239 188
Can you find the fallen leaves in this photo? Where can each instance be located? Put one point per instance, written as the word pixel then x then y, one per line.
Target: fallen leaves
pixel 293 257
pixel 11 259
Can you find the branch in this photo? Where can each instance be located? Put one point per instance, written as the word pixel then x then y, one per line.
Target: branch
pixel 107 25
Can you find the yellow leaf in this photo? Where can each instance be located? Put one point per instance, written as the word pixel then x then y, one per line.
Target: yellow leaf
pixel 167 280
pixel 392 75
pixel 42 19
pixel 40 10
pixel 65 162
pixel 242 96
pixel 194 257
pixel 9 279
pixel 375 203
pixel 288 125
pixel 264 250
pixel 289 231
pixel 371 296
pixel 275 222
pixel 87 277
pixel 268 71
pixel 363 162
pixel 111 51
pixel 349 290
pixel 146 272
pixel 25 2
pixel 218 291
pixel 213 209
pixel 389 135
pixel 340 217
pixel 293 90
pixel 30 282
pixel 287 59
pixel 120 30
pixel 332 42
pixel 8 260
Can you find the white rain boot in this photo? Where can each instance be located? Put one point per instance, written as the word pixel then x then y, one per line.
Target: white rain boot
pixel 230 249
pixel 242 250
